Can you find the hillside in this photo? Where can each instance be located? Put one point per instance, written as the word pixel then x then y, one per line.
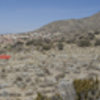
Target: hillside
pixel 59 61
pixel 71 28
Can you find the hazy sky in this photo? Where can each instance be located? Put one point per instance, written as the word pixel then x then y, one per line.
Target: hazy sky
pixel 27 15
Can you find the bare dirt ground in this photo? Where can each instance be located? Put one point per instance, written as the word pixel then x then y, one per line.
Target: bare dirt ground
pixel 30 72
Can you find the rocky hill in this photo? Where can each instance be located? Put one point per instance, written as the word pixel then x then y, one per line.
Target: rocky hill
pixel 71 28
pixel 46 64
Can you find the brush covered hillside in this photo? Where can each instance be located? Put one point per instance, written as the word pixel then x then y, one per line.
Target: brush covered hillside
pixel 59 61
pixel 71 30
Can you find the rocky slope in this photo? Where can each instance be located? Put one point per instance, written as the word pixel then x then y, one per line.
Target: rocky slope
pixel 48 72
pixel 71 29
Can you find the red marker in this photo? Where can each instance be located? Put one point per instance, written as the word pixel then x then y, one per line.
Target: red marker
pixel 7 57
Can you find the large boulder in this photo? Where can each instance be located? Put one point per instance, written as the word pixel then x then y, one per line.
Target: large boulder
pixel 66 90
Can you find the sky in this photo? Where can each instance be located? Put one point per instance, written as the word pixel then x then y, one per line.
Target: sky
pixel 18 16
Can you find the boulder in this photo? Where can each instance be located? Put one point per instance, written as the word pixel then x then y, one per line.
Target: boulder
pixel 66 90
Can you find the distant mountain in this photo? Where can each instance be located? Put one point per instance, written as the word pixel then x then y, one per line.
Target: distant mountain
pixel 67 29
pixel 70 28
pixel 74 25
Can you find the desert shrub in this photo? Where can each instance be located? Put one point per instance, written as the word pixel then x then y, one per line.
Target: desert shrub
pixel 19 43
pixel 55 97
pixel 83 87
pixel 41 97
pixel 29 42
pixel 46 46
pixel 71 40
pixel 83 43
pixel 60 46
pixel 97 42
pixel 62 39
pixel 90 36
pixel 35 42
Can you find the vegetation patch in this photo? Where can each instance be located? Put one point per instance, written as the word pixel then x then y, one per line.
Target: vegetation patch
pixel 60 46
pixel 42 97
pixel 46 46
pixel 87 88
pixel 97 42
pixel 34 42
pixel 84 43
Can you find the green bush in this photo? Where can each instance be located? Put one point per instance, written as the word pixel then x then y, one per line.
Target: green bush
pixel 97 42
pixel 29 42
pixel 40 97
pixel 71 40
pixel 35 42
pixel 83 43
pixel 39 43
pixel 83 87
pixel 46 46
pixel 60 46
pixel 55 97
